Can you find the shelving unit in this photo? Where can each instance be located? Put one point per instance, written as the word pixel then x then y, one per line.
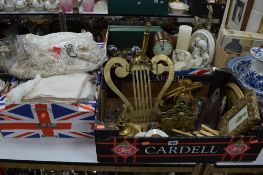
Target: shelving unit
pixel 80 154
pixel 91 14
pixel 50 13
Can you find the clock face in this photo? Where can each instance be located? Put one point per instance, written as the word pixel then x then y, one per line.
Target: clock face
pixel 164 47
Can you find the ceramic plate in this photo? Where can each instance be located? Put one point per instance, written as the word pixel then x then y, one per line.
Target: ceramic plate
pixel 204 34
pixel 246 74
pixel 211 41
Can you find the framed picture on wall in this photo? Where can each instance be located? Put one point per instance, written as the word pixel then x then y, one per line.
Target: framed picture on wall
pixel 238 14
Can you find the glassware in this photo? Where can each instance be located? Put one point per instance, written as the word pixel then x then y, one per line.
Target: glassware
pixel 1 5
pixel 52 5
pixel 8 51
pixel 38 5
pixel 9 5
pixel 22 5
pixel 88 5
pixel 66 5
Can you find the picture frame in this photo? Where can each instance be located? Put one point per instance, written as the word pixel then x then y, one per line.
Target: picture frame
pixel 238 14
pixel 241 117
pixel 260 29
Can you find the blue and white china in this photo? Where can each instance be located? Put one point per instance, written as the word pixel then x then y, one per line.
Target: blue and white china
pixel 257 52
pixel 244 69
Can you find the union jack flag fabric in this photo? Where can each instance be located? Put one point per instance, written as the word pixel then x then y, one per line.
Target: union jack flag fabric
pixel 47 120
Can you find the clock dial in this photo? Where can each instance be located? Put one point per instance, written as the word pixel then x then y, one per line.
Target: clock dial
pixel 164 47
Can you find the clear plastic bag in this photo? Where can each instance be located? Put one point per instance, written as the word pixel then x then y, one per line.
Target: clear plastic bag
pixel 9 53
pixel 55 54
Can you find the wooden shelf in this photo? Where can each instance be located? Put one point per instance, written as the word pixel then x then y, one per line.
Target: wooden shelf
pixel 92 14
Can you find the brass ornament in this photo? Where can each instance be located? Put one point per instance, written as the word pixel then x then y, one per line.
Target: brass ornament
pixel 232 95
pixel 185 86
pixel 197 24
pixel 127 129
pixel 180 117
pixel 241 117
pixel 209 20
pixel 183 115
pixel 144 107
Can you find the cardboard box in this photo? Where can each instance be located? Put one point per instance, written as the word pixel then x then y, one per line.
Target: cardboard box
pixel 37 120
pixel 236 43
pixel 28 120
pixel 127 36
pixel 112 148
pixel 221 58
pixel 138 7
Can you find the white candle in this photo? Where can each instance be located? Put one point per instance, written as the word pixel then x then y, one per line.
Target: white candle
pixel 184 37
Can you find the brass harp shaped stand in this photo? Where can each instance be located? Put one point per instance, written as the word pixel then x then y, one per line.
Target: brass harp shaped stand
pixel 144 106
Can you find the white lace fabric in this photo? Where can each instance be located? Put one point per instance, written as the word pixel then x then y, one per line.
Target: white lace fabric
pixel 68 88
pixel 42 58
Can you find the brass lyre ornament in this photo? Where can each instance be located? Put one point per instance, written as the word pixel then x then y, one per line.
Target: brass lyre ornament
pixel 143 107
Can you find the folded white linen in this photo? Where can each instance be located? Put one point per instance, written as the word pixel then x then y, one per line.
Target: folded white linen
pixel 88 91
pixel 65 87
pixel 16 94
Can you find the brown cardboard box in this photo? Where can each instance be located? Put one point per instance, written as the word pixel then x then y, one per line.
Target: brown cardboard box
pixel 221 57
pixel 113 148
pixel 235 44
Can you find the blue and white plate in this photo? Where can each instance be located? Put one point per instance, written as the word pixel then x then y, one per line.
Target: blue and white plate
pixel 246 73
pixel 257 52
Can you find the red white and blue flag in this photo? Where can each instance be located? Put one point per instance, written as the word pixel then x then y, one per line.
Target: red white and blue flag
pixel 47 120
